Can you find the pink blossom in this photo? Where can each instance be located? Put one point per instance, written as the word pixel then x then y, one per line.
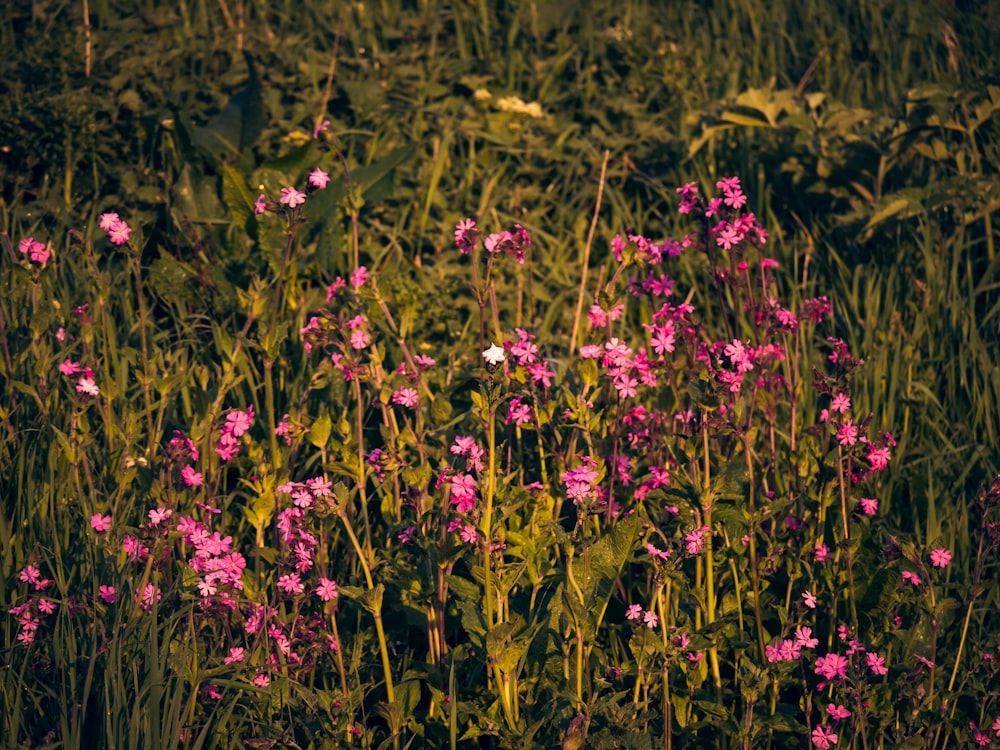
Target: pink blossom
pixel 236 654
pixel 35 250
pixel 634 612
pixel 651 619
pixel 869 505
pixel 406 397
pixel 100 523
pixel 291 584
pixel 837 712
pixel 803 636
pixel 327 590
pixel 841 403
pixel 87 386
pixel 107 593
pixel 359 277
pixel 822 553
pixel 940 557
pixel 319 179
pixel 468 534
pixel 191 477
pixel 831 666
pixel 260 205
pixel 119 233
pixel 809 599
pixel 912 577
pixel 876 663
pixel 847 434
pixel 823 737
pixel 292 197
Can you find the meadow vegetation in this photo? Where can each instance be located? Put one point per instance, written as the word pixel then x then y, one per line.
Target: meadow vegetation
pixel 526 374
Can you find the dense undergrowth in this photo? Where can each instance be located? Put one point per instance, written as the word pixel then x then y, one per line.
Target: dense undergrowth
pixel 346 402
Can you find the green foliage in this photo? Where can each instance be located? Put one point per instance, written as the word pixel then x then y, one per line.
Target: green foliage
pixel 867 137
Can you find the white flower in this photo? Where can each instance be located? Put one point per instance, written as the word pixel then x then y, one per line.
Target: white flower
pixel 494 355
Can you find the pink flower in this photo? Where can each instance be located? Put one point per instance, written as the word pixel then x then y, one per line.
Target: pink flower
pixel 831 666
pixel 466 235
pixel 406 397
pixel 159 515
pixel 100 523
pixel 468 534
pixel 191 477
pixel 876 663
pixel 940 557
pixel 823 737
pixel 327 590
pixel 260 205
pixel 292 197
pixel 35 250
pixel 119 233
pixel 847 434
pixel 879 457
pixel 651 619
pixel 359 277
pixel 657 554
pixel 87 386
pixel 694 540
pixel 841 403
pixel 68 367
pixel 837 712
pixel 108 221
pixel 803 637
pixel 634 612
pixel 291 584
pixel 236 653
pixel 261 680
pixel 238 422
pixel 869 505
pixel 912 577
pixel 822 553
pixel 108 594
pixel 319 179
pixel 810 599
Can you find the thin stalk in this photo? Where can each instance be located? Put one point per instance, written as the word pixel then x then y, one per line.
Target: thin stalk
pixel 586 255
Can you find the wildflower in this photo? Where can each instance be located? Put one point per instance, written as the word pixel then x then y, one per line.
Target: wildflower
pixel 831 666
pixel 327 590
pixel 837 712
pixel 406 397
pixel 261 680
pixel 695 539
pixel 878 457
pixel 841 403
pixel 466 236
pixel 494 355
pixel 159 515
pixel 847 434
pixel 468 534
pixel 260 205
pixel 651 619
pixel 87 386
pixel 319 179
pixel 191 477
pixel 876 663
pixel 940 557
pixel 803 637
pixel 822 553
pixel 809 599
pixel 359 277
pixel 407 534
pixel 35 250
pixel 107 593
pixel 926 662
pixel 823 737
pixel 634 612
pixel 238 422
pixel 100 523
pixel 291 584
pixel 119 232
pixel 869 505
pixel 657 554
pixel 292 197
pixel 912 577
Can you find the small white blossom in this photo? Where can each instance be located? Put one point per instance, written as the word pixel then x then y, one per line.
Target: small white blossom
pixel 494 355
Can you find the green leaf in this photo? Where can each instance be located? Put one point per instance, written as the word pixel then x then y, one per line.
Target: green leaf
pixel 319 433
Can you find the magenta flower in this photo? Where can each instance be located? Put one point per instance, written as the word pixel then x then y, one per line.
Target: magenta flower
pixel 837 712
pixel 34 249
pixel 803 637
pixel 940 557
pixel 406 397
pixel 238 422
pixel 119 233
pixel 100 523
pixel 291 584
pixel 108 221
pixel 292 197
pixel 359 276
pixel 831 666
pixel 809 599
pixel 634 612
pixel 876 663
pixel 912 577
pixel 822 553
pixel 651 619
pixel 869 505
pixel 191 477
pixel 319 179
pixel 260 205
pixel 847 434
pixel 468 534
pixel 823 737
pixel 108 594
pixel 841 403
pixel 236 654
pixel 327 590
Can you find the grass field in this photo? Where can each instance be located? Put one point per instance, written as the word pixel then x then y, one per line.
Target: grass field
pixel 524 374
